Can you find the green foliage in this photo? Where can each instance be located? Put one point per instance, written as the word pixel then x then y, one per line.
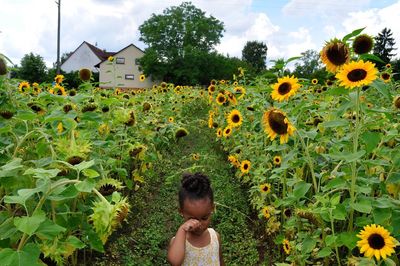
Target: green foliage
pixel 310 66
pixel 384 46
pixel 32 69
pixel 255 53
pixel 179 41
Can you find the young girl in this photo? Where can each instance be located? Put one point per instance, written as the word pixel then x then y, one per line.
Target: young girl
pixel 195 243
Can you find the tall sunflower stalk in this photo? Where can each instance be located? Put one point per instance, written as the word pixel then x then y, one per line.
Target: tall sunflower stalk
pixel 354 163
pixel 355 75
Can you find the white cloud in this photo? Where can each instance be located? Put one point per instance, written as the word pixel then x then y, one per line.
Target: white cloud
pixel 323 8
pixel 375 20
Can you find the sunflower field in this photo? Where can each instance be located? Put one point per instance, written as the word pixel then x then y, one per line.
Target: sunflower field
pixel 305 172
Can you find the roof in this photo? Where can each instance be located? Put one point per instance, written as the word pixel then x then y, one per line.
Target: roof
pixel 105 59
pixel 101 54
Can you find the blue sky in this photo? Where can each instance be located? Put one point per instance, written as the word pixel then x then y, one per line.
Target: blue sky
pixel 288 27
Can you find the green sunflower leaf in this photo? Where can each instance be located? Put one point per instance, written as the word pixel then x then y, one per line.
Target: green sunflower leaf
pixel 371 57
pixel 29 255
pixel 371 140
pixel 349 239
pixel 325 252
pixel 300 189
pixel 363 206
pixel 380 86
pixel 352 34
pixel 29 224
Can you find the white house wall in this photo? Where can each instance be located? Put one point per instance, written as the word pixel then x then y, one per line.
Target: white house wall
pixel 113 75
pixel 83 57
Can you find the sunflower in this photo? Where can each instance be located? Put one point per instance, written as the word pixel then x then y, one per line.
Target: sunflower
pixel 221 99
pixel 376 241
pixel 284 88
pixel 385 77
pixel 36 89
pixel 181 132
pixel 276 123
pixel 240 90
pixel 195 156
pixel 170 119
pixel 59 79
pixel 219 132
pixel 245 166
pixel 265 188
pixel 227 131
pixel 24 86
pixel 396 101
pixel 210 119
pixel 314 81
pixel 334 55
pixel 234 160
pixel 388 66
pixel 266 212
pixel 363 44
pixel 357 73
pixel 142 77
pixel 235 118
pixel 235 83
pixel 231 97
pixel 286 246
pixel 211 89
pixel 58 90
pixel 222 81
pixel 277 160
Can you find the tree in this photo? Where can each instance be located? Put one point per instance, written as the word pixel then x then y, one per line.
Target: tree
pixel 178 40
pixel 255 53
pixel 310 66
pixel 33 68
pixel 384 46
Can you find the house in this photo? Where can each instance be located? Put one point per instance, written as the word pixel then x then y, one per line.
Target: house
pixel 123 71
pixel 85 56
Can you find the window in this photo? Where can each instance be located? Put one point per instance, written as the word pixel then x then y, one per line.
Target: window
pixel 120 60
pixel 137 61
pixel 130 76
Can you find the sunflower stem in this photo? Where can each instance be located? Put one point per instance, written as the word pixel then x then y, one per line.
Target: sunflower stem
pixel 309 162
pixel 354 163
pixel 333 234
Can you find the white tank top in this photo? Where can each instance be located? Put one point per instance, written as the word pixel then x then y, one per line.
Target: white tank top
pixel 204 256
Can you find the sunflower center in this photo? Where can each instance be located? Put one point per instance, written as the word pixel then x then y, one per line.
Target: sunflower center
pixel 235 118
pixel 385 76
pixel 337 54
pixel 277 123
pixel 246 166
pixel 284 88
pixel 357 75
pixel 265 188
pixel 376 241
pixel 362 45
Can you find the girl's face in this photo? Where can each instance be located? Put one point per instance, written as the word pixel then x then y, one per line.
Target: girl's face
pixel 200 210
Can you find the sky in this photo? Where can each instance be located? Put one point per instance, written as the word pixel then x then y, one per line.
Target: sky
pixel 287 27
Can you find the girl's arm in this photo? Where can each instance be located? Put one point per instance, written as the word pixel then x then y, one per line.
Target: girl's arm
pixel 221 259
pixel 176 250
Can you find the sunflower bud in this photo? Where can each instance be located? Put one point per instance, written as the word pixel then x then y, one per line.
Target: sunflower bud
pixel 85 74
pixel 363 44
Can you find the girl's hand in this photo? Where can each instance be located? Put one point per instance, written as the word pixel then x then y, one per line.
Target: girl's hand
pixel 190 225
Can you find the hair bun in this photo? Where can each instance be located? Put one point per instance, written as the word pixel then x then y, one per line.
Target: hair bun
pixel 197 183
